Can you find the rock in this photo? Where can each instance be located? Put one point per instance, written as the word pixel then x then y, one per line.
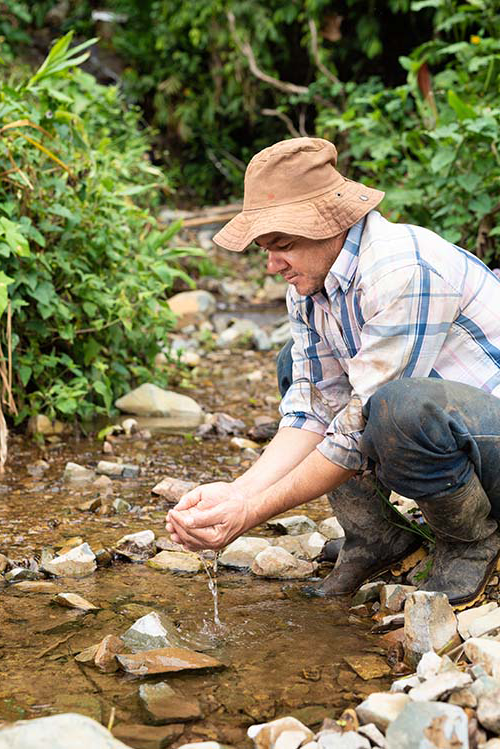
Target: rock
pixel 58 732
pixel 107 448
pixel 151 632
pixel 37 468
pixel 281 334
pixel 130 426
pixel 91 505
pixel 172 489
pixel 464 618
pixel 78 474
pixel 368 666
pixel 331 528
pixel 492 743
pixel 190 359
pixel 105 656
pixel 274 291
pixel 41 424
pixel 137 546
pixel 381 708
pixel 485 624
pixel 4 563
pixel 371 731
pixel 162 705
pixel 368 592
pixel 276 562
pixel 347 740
pixel 484 652
pixel 151 400
pixel 293 525
pixel 429 725
pixel 192 306
pixel 439 685
pixel 221 424
pixel 267 735
pixel 240 443
pixel 463 698
pixel 256 376
pixel 117 470
pixel 429 624
pixel 204 745
pixel 393 597
pixel 176 561
pixel 305 546
pixel 78 562
pixel 120 506
pixel 36 586
pixel 138 736
pixel 388 623
pixel 405 684
pixel 239 332
pixel 429 665
pixel 242 552
pixel 87 655
pixel 74 601
pixel 19 574
pixel 104 485
pixel 166 660
pixel 68 544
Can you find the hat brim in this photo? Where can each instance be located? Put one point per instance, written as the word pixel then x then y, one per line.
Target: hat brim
pixel 324 216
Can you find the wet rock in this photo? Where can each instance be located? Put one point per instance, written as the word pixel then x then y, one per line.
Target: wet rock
pixel 192 306
pixel 103 557
pixel 138 736
pixel 432 725
pixel 487 623
pixel 176 561
pixel 68 544
pixel 368 666
pixel 276 562
pixel 121 506
pixel 163 705
pixel 465 618
pixel 151 400
pixel 439 685
pixel 90 505
pixel 18 574
pixel 78 562
pixel 105 656
pixel 221 424
pixel 104 485
pixel 331 528
pixel 151 632
pixel 58 732
pixel 4 563
pixel 238 333
pixel 172 489
pixel 87 655
pixel 388 623
pixel 347 740
pixel 37 468
pixel 484 652
pixel 242 552
pixel 74 601
pixel 36 586
pixel 240 443
pixel 78 474
pixel 267 735
pixel 165 660
pixel 41 424
pixel 368 592
pixel 130 427
pixel 293 525
pixel 137 546
pixel 429 624
pixel 117 470
pixel 381 708
pixel 371 731
pixel 305 546
pixel 393 597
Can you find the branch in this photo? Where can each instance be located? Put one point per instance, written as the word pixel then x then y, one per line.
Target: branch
pixel 284 118
pixel 314 47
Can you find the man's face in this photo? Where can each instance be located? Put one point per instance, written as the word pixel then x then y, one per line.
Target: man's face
pixel 302 262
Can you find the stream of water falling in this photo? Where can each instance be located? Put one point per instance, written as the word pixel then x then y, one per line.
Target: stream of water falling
pixel 212 586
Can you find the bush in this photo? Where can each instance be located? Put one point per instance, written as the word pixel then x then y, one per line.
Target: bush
pixel 85 269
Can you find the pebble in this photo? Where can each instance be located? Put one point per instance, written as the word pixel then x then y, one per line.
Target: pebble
pixel 74 601
pixel 371 731
pixel 105 655
pixel 76 473
pixel 278 563
pixel 241 443
pixel 138 736
pixel 18 574
pixel 78 562
pixel 331 529
pixel 137 546
pixel 151 400
pixel 162 704
pixel 368 592
pixel 266 735
pixel 151 632
pixel 172 489
pixel 393 597
pixel 368 666
pixel 121 506
pixel 117 470
pixel 176 561
pixel 36 586
pixel 242 552
pixel 347 740
pixel 293 525
pixel 485 652
pixel 439 685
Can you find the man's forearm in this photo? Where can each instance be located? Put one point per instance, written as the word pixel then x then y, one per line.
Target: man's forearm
pixel 287 449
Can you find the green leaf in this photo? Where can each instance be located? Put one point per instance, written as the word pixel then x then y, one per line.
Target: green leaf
pixel 481 204
pixel 442 159
pixel 25 373
pixel 4 297
pixel 16 241
pixel 462 110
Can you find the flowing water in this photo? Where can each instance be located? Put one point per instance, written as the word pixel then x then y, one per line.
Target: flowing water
pixel 284 654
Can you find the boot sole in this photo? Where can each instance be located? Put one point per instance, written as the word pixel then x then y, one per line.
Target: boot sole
pixel 459 604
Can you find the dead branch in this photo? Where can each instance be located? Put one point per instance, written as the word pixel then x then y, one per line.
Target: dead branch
pixel 314 48
pixel 284 118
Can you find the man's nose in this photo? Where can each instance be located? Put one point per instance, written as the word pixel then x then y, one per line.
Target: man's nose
pixel 275 262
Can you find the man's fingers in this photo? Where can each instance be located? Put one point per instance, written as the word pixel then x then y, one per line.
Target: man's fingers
pixel 193 518
pixel 190 499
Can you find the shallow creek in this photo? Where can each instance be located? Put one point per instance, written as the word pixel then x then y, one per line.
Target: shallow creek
pixel 285 654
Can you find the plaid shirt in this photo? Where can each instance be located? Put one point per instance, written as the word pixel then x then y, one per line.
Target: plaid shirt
pixel 399 301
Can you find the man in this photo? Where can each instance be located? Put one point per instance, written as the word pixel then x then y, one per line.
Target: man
pixel 394 384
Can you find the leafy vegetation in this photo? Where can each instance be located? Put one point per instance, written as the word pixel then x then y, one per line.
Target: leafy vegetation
pixel 84 268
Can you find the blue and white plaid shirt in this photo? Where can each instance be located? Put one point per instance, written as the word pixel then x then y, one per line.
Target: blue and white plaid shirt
pixel 399 301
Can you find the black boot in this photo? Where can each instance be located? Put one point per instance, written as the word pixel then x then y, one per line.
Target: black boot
pixel 375 536
pixel 467 543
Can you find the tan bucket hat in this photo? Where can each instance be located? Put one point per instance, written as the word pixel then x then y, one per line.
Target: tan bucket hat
pixel 294 188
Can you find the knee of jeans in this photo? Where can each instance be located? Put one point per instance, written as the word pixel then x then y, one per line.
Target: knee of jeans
pixel 394 407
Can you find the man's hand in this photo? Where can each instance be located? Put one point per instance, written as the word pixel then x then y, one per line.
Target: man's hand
pixel 209 516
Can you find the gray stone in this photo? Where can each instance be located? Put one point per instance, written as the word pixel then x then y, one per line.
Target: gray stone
pixel 176 561
pixel 464 618
pixel 151 400
pixel 238 332
pixel 393 597
pixel 242 552
pixel 429 665
pixel 121 506
pixel 192 305
pixel 172 489
pixel 77 562
pixel 368 592
pixel 429 725
pixel 483 685
pixel 278 563
pixel 381 708
pixel 18 574
pixel 331 528
pixel 347 740
pixel 139 736
pixel 293 525
pixel 58 732
pixel 117 470
pixel 371 731
pixel 439 685
pixel 305 546
pixel 105 655
pixel 429 624
pixel 484 652
pixel 281 334
pixel 78 474
pixel 405 684
pixel 150 632
pixel 266 735
pixel 137 546
pixel 163 705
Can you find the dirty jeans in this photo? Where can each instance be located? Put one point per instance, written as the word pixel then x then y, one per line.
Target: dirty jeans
pixel 426 436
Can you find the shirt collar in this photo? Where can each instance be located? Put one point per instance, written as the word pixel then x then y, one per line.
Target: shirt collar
pixel 342 271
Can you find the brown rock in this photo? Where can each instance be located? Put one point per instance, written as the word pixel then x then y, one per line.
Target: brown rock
pixel 368 666
pixel 147 737
pixel 162 705
pixel 74 601
pixel 90 506
pixel 172 489
pixel 4 561
pixel 36 586
pixel 166 660
pixel 105 657
pixel 87 655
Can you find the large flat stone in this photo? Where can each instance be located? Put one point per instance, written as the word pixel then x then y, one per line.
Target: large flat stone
pixel 58 732
pixel 151 400
pixel 485 624
pixel 439 685
pixel 166 660
pixel 138 736
pixel 176 561
pixel 137 546
pixel 429 725
pixel 368 666
pixel 163 705
pixel 465 618
pixel 242 552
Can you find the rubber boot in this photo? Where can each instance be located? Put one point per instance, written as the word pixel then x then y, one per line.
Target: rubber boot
pixel 467 543
pixel 374 538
